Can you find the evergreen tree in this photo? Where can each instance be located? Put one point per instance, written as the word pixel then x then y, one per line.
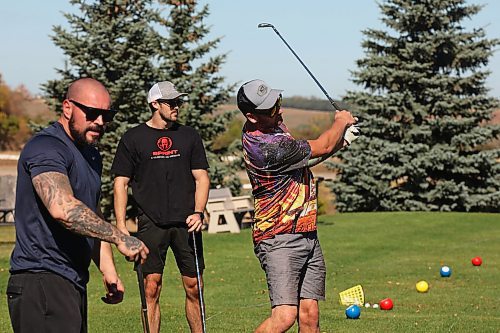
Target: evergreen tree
pixel 184 62
pixel 118 43
pixel 111 41
pixel 425 108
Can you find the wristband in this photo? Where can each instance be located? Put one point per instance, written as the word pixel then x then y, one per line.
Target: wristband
pixel 202 216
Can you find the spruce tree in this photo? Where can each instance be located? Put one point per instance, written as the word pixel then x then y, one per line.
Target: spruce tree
pixel 185 62
pixel 119 43
pixel 110 41
pixel 425 108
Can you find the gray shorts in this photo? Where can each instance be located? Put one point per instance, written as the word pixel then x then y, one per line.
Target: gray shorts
pixel 294 267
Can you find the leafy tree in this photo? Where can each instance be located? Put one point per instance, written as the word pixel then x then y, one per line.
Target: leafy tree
pixel 9 126
pixel 9 123
pixel 425 105
pixel 118 43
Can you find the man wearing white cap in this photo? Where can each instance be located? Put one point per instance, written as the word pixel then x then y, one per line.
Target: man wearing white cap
pixel 285 199
pixel 165 164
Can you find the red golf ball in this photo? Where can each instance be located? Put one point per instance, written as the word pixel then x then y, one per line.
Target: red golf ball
pixel 386 304
pixel 477 261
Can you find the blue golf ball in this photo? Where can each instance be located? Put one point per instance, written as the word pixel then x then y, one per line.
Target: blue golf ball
pixel 353 312
pixel 445 271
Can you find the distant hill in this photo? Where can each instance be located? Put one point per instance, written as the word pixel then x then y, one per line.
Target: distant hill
pixel 305 103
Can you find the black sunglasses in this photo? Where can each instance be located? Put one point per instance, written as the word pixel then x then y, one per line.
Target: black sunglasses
pixel 93 113
pixel 272 111
pixel 172 102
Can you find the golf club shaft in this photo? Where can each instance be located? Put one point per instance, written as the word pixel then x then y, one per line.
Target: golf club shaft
pixel 142 292
pixel 267 25
pixel 198 282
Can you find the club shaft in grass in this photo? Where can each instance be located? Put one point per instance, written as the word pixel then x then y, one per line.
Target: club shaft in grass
pixel 142 292
pixel 198 282
pixel 269 25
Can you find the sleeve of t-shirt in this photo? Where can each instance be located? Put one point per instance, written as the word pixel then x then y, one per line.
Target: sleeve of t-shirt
pixel 284 153
pixel 46 154
pixel 123 164
pixel 198 155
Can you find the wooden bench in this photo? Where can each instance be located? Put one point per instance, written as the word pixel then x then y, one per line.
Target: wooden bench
pixel 225 212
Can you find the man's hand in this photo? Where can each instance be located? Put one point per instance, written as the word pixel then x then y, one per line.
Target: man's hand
pixel 132 248
pixel 345 117
pixel 114 290
pixel 194 222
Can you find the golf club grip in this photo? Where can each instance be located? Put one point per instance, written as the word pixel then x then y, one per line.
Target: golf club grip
pixel 144 305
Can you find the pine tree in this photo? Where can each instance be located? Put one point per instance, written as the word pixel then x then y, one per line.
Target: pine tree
pixel 425 108
pixel 118 43
pixel 184 62
pixel 111 41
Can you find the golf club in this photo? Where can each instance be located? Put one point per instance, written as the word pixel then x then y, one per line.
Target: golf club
pixel 142 292
pixel 198 282
pixel 269 25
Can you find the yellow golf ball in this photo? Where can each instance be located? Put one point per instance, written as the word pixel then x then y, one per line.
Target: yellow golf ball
pixel 422 286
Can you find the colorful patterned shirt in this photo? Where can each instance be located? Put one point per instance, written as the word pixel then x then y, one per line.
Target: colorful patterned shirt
pixel 282 185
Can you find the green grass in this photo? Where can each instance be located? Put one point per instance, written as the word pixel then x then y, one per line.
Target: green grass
pixel 387 253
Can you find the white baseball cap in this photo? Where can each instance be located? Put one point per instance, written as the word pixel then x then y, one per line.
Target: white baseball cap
pixel 163 90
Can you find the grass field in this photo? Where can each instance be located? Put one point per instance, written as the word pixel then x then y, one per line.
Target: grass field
pixel 387 253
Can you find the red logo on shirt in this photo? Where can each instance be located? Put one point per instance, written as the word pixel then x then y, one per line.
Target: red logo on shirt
pixel 164 143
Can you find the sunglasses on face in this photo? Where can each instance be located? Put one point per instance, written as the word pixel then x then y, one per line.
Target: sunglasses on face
pixel 173 103
pixel 93 113
pixel 272 112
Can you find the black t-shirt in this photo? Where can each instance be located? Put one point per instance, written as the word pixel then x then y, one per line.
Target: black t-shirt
pixel 159 163
pixel 43 244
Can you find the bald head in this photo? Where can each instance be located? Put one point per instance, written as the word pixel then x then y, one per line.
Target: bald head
pixel 90 92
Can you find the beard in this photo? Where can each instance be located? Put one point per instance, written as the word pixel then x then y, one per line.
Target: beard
pixel 80 137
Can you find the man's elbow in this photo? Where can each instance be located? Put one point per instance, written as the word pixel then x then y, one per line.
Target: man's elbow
pixel 322 150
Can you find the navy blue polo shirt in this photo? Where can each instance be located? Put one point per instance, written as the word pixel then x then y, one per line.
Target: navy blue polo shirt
pixel 42 243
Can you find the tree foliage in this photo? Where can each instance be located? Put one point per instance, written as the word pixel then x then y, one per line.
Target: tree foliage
pixel 181 49
pixel 130 45
pixel 424 106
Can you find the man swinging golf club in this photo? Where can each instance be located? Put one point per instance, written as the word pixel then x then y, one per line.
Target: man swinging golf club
pixel 284 232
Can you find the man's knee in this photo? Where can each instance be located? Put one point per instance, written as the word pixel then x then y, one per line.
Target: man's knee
pixel 309 313
pixel 153 286
pixel 285 315
pixel 191 286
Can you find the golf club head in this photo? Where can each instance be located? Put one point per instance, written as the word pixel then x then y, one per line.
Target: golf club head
pixel 265 25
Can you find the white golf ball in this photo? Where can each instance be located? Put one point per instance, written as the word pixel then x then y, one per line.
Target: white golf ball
pixel 375 306
pixel 367 305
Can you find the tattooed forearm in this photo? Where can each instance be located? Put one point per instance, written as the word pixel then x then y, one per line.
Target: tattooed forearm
pixel 55 191
pixel 81 220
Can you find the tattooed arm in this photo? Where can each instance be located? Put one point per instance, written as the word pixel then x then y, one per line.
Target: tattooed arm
pixel 55 191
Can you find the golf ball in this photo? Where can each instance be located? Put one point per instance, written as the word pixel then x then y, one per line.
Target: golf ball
pixel 445 271
pixel 375 306
pixel 353 312
pixel 422 286
pixel 367 305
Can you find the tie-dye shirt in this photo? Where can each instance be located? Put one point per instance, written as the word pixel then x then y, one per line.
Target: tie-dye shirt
pixel 283 186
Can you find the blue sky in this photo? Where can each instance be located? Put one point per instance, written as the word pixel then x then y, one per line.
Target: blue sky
pixel 326 34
